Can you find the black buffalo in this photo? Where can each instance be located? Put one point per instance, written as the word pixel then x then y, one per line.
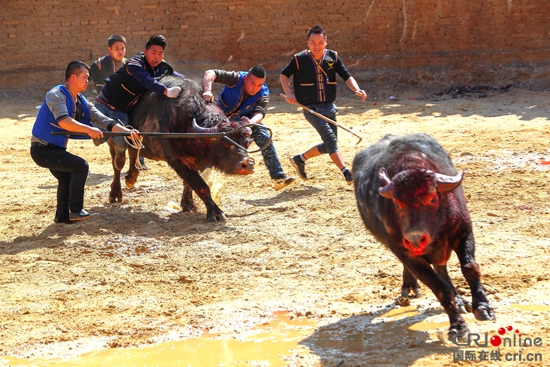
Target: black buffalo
pixel 410 198
pixel 188 113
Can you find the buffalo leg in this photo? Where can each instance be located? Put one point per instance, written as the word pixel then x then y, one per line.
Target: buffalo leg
pixel 196 182
pixel 132 175
pixel 410 284
pixel 187 204
pixel 462 304
pixel 118 164
pixel 423 271
pixel 470 269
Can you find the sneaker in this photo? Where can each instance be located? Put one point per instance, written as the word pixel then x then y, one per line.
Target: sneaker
pixel 349 177
pixel 81 215
pixel 281 183
pixel 144 167
pixel 300 166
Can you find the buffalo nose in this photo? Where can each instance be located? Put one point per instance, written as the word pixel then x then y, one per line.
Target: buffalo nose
pixel 416 241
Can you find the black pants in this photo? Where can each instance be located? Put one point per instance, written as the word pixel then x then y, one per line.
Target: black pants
pixel 71 172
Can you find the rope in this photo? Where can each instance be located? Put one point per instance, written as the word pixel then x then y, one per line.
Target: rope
pixel 135 143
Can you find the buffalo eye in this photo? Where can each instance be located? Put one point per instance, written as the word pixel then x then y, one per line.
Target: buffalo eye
pixel 431 200
pixel 398 204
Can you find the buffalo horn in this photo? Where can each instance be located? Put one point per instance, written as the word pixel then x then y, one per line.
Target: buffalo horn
pixel 447 183
pixel 203 130
pixel 386 185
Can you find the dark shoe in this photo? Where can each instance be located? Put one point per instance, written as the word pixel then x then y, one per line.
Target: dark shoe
pixel 66 221
pixel 282 182
pixel 349 177
pixel 81 215
pixel 300 166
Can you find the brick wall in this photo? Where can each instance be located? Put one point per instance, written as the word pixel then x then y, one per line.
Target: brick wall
pixel 383 42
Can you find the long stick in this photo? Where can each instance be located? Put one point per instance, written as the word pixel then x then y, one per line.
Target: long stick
pixel 326 119
pixel 146 133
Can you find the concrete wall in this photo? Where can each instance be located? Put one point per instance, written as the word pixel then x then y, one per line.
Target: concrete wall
pixel 407 43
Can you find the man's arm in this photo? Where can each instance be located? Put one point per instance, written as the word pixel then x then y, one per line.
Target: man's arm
pixel 229 78
pixel 207 80
pixel 285 83
pixel 352 84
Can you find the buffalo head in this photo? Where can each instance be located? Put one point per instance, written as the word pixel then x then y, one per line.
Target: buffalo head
pixel 417 196
pixel 222 153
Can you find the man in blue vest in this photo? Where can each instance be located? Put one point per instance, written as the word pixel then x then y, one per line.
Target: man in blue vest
pixel 66 109
pixel 245 96
pixel 314 80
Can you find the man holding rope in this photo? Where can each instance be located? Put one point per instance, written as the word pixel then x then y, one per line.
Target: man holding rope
pixel 314 80
pixel 66 109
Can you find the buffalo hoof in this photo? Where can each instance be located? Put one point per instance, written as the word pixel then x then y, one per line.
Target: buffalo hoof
pixel 406 292
pixel 463 305
pixel 484 312
pixel 458 330
pixel 129 184
pixel 115 197
pixel 215 215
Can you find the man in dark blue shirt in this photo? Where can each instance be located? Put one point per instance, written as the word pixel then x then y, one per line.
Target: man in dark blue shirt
pixel 123 89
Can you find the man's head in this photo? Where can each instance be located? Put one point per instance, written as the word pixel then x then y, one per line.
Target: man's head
pixel 154 49
pixel 76 76
pixel 316 41
pixel 254 80
pixel 116 46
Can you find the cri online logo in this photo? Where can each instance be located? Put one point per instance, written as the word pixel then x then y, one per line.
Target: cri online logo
pixel 512 339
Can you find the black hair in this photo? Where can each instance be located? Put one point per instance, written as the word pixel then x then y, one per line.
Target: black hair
pixel 75 67
pixel 115 38
pixel 316 30
pixel 257 71
pixel 157 40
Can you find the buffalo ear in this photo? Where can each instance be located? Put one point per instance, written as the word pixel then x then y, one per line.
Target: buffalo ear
pixel 447 183
pixel 386 185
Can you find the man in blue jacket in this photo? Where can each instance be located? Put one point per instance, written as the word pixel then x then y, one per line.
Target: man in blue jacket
pixel 123 89
pixel 245 96
pixel 66 109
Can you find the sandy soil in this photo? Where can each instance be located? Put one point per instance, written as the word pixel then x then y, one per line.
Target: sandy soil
pixel 140 272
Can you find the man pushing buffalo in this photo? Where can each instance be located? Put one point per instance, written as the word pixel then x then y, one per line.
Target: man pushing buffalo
pixel 123 89
pixel 245 96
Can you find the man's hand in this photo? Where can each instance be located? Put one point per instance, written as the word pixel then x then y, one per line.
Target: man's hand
pixel 208 96
pixel 361 93
pixel 94 133
pixel 172 92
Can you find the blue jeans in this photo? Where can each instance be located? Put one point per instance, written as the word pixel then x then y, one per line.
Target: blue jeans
pixel 120 143
pixel 71 172
pixel 261 136
pixel 327 131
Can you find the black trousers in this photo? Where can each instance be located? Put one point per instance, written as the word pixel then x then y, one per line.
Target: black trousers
pixel 71 172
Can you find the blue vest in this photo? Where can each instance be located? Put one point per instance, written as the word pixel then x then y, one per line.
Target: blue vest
pixel 231 99
pixel 45 121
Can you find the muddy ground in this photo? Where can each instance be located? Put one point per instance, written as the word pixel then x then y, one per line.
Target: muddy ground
pixel 142 272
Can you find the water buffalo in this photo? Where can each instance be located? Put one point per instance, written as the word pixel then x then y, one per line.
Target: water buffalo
pixel 410 198
pixel 188 113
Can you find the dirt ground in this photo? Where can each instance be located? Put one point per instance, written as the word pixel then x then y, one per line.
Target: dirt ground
pixel 141 272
